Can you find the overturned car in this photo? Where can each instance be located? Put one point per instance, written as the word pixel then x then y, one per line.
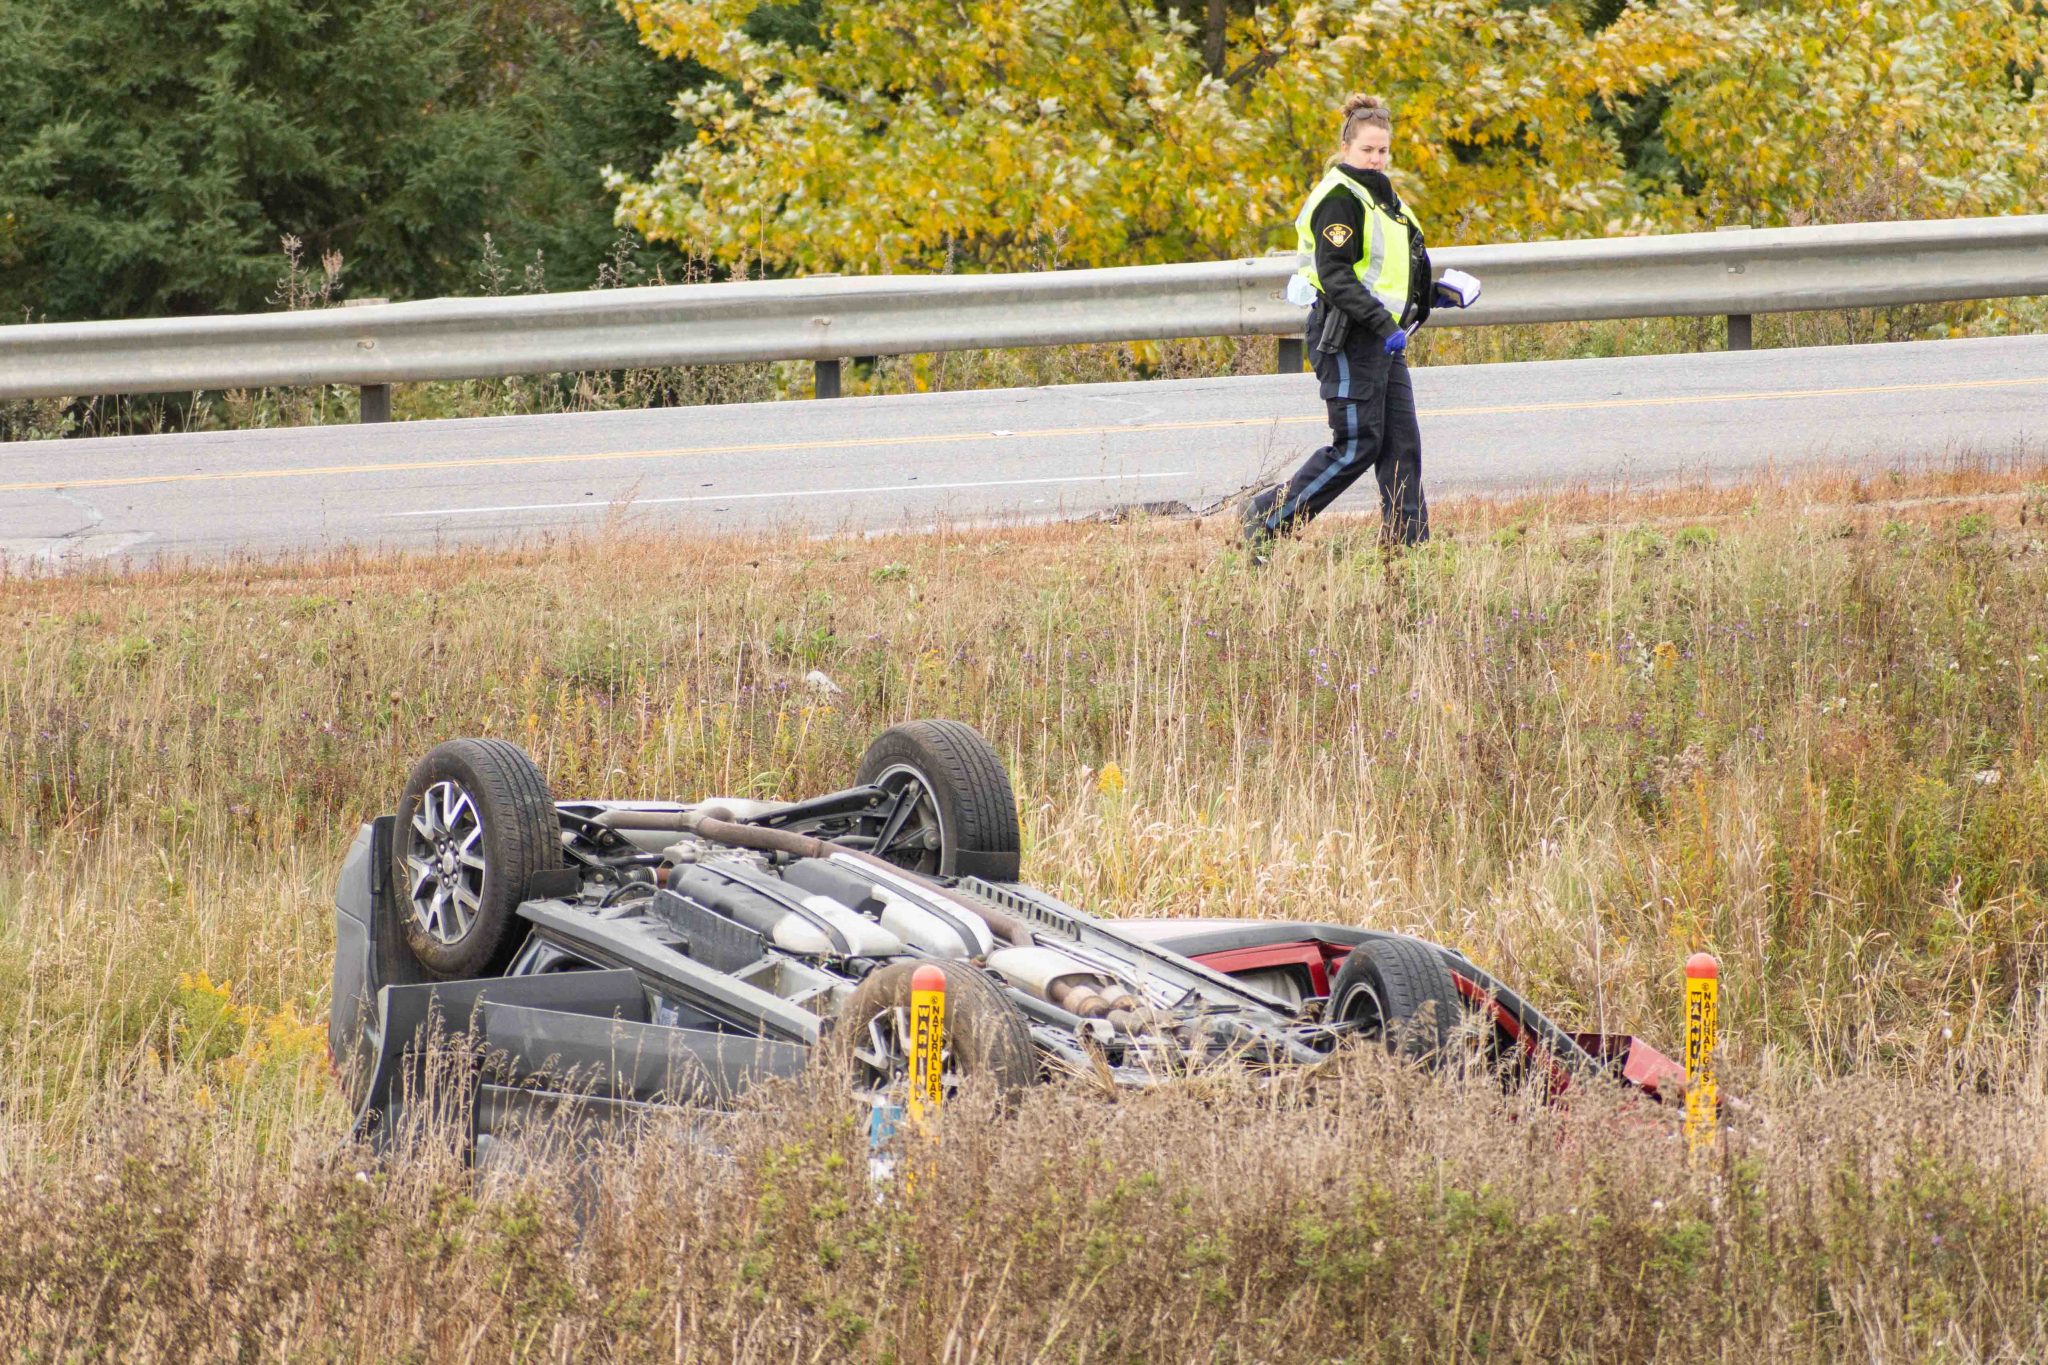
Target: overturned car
pixel 607 955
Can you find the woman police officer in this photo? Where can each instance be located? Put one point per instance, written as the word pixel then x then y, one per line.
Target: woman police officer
pixel 1363 262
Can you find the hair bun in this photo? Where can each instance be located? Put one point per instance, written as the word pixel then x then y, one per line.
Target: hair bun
pixel 1356 103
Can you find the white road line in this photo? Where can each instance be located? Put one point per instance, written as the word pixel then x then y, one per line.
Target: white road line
pixel 593 505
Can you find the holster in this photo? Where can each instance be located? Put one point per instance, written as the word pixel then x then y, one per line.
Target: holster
pixel 1336 326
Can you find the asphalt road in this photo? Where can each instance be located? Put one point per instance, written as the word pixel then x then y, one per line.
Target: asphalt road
pixel 892 463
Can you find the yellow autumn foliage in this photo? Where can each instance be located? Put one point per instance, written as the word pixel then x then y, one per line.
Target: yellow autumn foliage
pixel 922 135
pixel 1819 101
pixel 239 1044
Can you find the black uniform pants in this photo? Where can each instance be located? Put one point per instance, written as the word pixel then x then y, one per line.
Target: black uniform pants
pixel 1372 426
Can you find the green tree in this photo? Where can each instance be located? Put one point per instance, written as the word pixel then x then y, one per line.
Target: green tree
pixel 154 152
pixel 580 93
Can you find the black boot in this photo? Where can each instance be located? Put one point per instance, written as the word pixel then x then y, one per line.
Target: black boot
pixel 1258 536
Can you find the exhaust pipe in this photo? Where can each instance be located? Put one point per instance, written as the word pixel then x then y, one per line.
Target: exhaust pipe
pixel 713 823
pixel 1116 1005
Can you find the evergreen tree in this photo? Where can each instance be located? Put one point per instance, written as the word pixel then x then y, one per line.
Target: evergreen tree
pixel 154 152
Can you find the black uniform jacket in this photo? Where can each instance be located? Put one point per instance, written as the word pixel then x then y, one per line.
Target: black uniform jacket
pixel 1339 251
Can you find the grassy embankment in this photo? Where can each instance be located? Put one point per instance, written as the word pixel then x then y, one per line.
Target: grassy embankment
pixel 1577 738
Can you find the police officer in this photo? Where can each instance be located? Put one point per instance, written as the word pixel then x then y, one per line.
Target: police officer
pixel 1363 263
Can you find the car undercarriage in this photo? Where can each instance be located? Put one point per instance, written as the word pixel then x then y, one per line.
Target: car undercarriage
pixel 600 957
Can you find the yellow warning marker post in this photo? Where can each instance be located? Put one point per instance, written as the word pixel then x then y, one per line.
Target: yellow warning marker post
pixel 1702 1027
pixel 927 1043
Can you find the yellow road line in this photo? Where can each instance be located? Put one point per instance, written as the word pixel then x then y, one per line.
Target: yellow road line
pixel 967 437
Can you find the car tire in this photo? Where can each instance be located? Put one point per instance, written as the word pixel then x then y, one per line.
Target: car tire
pixel 1399 991
pixel 986 1034
pixel 475 823
pixel 968 810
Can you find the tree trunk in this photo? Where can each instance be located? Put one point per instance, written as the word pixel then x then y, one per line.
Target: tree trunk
pixel 1212 36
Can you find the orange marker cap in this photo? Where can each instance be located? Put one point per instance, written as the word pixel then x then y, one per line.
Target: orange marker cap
pixel 1702 967
pixel 930 978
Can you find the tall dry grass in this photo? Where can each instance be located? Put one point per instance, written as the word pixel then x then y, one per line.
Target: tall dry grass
pixel 1578 737
pixel 1369 1216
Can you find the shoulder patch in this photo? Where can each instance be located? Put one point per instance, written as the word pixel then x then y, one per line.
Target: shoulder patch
pixel 1337 234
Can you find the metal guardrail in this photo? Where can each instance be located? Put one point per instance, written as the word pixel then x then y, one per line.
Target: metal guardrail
pixel 1734 273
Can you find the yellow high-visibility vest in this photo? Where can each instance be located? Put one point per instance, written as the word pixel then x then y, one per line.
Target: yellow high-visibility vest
pixel 1383 270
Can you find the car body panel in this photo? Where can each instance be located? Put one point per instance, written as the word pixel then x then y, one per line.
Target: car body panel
pixel 409 1016
pixel 627 1059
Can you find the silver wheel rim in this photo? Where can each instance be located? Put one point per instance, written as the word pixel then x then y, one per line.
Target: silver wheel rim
pixel 926 829
pixel 882 1056
pixel 444 859
pixel 1362 1008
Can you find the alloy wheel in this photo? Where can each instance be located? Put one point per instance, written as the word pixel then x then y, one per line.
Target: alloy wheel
pixel 445 859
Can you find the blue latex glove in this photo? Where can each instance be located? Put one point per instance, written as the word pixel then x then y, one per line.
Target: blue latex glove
pixel 1398 342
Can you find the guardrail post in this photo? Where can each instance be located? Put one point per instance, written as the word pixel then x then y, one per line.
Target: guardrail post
pixel 1287 355
pixel 826 383
pixel 376 398
pixel 1738 323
